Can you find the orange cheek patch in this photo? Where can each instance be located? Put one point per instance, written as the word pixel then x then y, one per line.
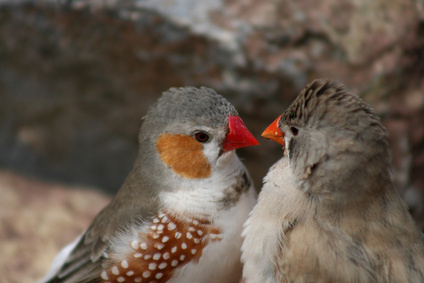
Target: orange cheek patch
pixel 184 155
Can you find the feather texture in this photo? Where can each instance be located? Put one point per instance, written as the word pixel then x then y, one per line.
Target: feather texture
pixel 335 215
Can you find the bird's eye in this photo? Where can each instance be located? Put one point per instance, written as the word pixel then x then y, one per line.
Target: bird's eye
pixel 201 136
pixel 294 131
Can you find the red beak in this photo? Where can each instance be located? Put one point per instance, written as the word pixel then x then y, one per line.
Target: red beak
pixel 274 133
pixel 239 136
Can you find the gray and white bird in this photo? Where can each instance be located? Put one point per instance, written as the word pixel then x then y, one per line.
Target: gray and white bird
pixel 328 210
pixel 178 216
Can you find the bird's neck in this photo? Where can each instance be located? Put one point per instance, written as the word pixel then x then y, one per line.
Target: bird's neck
pixel 189 197
pixel 358 185
pixel 206 197
pixel 344 179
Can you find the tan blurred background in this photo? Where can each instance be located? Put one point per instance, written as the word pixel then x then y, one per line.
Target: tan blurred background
pixel 77 76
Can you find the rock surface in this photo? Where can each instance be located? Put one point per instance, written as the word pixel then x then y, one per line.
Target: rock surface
pixel 77 76
pixel 37 219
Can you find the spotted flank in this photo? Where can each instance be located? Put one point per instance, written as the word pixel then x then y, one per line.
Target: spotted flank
pixel 169 244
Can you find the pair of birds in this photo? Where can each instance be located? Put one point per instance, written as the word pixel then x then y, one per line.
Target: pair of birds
pixel 328 211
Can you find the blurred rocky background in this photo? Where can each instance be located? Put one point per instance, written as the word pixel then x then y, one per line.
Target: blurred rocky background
pixel 77 76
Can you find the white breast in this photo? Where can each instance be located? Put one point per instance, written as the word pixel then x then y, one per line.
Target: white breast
pixel 220 261
pixel 264 229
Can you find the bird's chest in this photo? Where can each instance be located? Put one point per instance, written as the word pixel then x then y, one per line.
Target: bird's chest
pixel 220 261
pixel 155 251
pixel 261 245
pixel 195 238
pixel 269 229
pixel 181 249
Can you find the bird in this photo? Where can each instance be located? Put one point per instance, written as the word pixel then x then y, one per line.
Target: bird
pixel 178 216
pixel 328 210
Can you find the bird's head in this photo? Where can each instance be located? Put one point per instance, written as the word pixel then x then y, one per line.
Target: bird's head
pixel 192 131
pixel 330 136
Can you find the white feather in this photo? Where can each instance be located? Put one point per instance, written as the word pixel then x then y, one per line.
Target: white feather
pixel 264 228
pixel 60 259
pixel 215 267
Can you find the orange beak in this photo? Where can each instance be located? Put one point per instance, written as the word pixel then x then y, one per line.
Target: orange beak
pixel 239 136
pixel 274 133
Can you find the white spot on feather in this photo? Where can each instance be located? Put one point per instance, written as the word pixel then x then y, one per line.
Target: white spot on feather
pixel 134 244
pixel 159 246
pixel 152 266
pixel 163 265
pixel 115 270
pixel 171 226
pixel 124 264
pixel 146 274
pixel 130 273
pixel 104 275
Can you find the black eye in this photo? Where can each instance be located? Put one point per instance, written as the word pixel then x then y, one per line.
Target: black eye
pixel 294 131
pixel 201 136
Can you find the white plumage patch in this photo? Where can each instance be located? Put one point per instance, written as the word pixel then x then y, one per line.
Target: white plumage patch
pixel 60 259
pixel 262 238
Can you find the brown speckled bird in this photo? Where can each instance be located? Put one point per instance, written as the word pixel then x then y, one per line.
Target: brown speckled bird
pixel 178 217
pixel 328 211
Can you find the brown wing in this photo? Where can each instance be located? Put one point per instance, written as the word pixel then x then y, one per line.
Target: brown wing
pixel 85 262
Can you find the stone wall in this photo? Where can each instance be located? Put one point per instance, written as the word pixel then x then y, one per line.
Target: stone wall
pixel 77 76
